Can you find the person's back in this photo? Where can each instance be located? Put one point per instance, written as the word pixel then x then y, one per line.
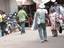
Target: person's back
pixel 39 20
pixel 41 15
pixel 22 15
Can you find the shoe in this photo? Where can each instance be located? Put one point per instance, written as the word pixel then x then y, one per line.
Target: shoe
pixel 46 40
pixel 42 41
pixel 55 35
pixel 22 32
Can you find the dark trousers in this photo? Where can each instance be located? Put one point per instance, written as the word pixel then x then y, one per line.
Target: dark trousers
pixel 42 31
pixel 22 27
pixel 3 27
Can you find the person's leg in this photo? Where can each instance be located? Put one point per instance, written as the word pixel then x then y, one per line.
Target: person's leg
pixel 40 32
pixel 54 30
pixel 23 27
pixel 2 33
pixel 19 26
pixel 2 28
pixel 44 31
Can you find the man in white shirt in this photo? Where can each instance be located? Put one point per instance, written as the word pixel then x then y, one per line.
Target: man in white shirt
pixel 40 21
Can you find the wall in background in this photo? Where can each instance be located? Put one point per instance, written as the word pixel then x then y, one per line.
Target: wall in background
pixel 2 5
pixel 13 6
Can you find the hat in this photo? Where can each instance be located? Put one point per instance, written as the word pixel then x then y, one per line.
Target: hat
pixel 41 5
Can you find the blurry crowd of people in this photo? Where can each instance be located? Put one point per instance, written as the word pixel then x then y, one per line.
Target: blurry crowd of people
pixel 56 16
pixel 8 23
pixel 18 19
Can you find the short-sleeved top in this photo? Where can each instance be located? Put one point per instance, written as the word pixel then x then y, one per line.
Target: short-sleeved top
pixel 41 15
pixel 22 15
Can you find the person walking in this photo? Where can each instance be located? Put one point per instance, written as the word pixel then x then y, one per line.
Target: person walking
pixel 39 21
pixel 56 19
pixel 21 19
pixel 3 24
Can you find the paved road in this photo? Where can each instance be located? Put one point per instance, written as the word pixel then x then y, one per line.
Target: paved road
pixel 31 40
